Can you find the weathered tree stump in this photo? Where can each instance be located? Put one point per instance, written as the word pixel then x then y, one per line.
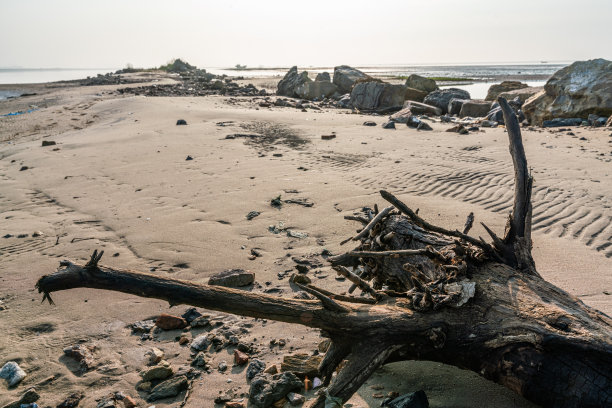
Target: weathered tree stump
pixel 433 294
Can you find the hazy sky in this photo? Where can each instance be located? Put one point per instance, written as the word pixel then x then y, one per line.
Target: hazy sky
pixel 145 33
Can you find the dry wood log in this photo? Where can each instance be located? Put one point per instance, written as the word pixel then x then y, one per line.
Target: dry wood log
pixel 477 306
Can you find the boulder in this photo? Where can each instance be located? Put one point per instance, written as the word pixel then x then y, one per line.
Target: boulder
pixel 413 94
pixel 442 97
pixel 266 389
pixel 402 116
pixel 291 81
pixel 475 109
pixel 454 106
pixel 377 95
pixel 345 77
pixel 315 90
pixel 575 91
pixel 523 94
pixel 323 76
pixel 421 83
pixel 506 86
pixel 232 278
pixel 422 108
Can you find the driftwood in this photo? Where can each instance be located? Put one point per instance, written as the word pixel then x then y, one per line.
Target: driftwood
pixel 436 294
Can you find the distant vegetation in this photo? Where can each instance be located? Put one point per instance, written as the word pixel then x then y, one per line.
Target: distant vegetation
pixel 239 67
pixel 177 65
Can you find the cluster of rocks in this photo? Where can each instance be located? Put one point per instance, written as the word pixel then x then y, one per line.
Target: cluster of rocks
pixel 197 85
pixel 110 79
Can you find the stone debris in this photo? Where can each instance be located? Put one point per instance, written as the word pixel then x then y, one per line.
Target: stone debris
pixel 12 373
pixel 83 354
pixel 240 358
pixel 154 356
pixel 232 278
pixel 159 372
pixel 255 367
pixel 266 389
pixel 295 399
pixel 28 399
pixel 169 322
pixel 169 388
pixel 72 401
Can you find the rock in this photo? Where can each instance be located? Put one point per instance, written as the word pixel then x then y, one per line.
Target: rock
pixel 158 372
pixel 181 122
pixel 72 401
pixel 169 322
pixel 144 386
pixel 252 214
pixel 454 106
pixel 315 90
pixel 523 94
pixel 188 158
pixel 594 120
pixel 345 77
pixel 12 373
pixel 202 342
pixel 418 108
pixel 222 366
pixel 240 358
pixel 323 76
pixel 458 129
pixel 28 397
pixel 506 86
pixel 421 83
pixel 413 400
pixel 295 398
pixel 143 326
pixel 609 122
pixel 168 388
pixel 488 123
pixel 232 278
pixel 558 122
pixel 377 95
pixel 83 354
pixel 302 365
pixel 344 102
pixel 234 404
pixel 442 97
pixel 475 109
pixel 255 367
pixel 424 126
pixel 200 322
pixel 154 356
pixel 403 116
pixel 191 314
pixel 128 402
pixel 300 278
pixel 413 94
pixel 48 143
pixel 369 123
pixel 273 369
pixel 199 360
pixel 575 91
pixel 291 81
pixel 328 137
pixel 266 389
pixel 389 125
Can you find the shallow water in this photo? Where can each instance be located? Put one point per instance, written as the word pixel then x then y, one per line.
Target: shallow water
pixel 35 76
pixel 478 90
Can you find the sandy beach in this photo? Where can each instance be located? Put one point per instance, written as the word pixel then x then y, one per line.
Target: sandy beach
pixel 117 179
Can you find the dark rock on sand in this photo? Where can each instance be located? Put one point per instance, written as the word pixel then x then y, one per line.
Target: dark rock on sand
pixel 413 400
pixel 181 122
pixel 48 143
pixel 369 123
pixel 377 95
pixel 454 106
pixel 72 401
pixel 291 81
pixel 254 368
pixel 422 108
pixel 302 365
pixel 558 122
pixel 266 389
pixel 28 397
pixel 389 125
pixel 168 388
pixel 232 278
pixel 442 97
pixel 475 109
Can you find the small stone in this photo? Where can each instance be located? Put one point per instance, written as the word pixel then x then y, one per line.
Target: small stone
pixel 234 404
pixel 252 214
pixel 191 314
pixel 299 278
pixel 37 234
pixel 154 356
pixel 295 398
pixel 328 137
pixel 72 401
pixel 424 126
pixel 144 386
pixel 12 373
pixel 388 125
pixel 169 388
pixel 200 322
pixel 301 364
pixel 266 389
pixel 158 372
pixel 232 278
pixel 222 366
pixel 273 369
pixel 48 143
pixel 128 402
pixel 143 326
pixel 26 400
pixel 202 342
pixel 169 322
pixel 181 122
pixel 83 354
pixel 23 168
pixel 255 367
pixel 240 358
pixel 199 360
pixel 377 395
pixel 369 123
pixel 188 158
pixel 316 383
pixel 184 339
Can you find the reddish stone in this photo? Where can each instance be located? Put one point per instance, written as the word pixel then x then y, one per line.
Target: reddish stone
pixel 169 322
pixel 240 358
pixel 129 402
pixel 234 404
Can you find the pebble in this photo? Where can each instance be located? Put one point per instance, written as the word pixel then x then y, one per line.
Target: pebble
pixel 12 373
pixel 169 322
pixel 240 358
pixel 154 355
pixel 181 122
